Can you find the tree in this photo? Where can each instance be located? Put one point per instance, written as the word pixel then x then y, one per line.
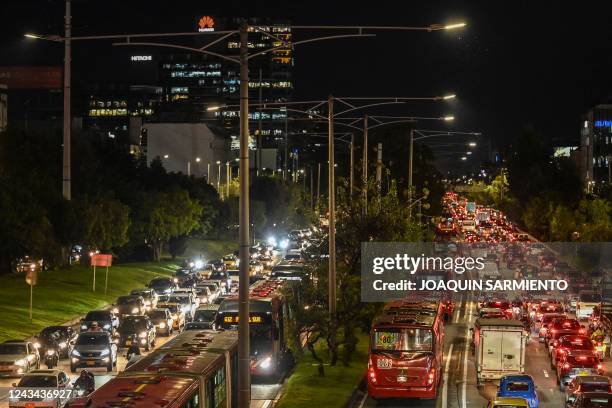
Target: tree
pixel 537 217
pixel 562 224
pixel 164 215
pixel 594 223
pixel 104 222
pixel 177 245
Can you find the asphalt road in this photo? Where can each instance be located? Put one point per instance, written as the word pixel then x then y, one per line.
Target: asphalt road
pixel 263 393
pixel 458 388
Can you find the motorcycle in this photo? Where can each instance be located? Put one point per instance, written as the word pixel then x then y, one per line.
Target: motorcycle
pixel 600 347
pixel 51 358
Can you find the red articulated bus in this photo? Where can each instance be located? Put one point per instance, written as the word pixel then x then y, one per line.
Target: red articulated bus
pixel 268 318
pixel 196 369
pixel 406 351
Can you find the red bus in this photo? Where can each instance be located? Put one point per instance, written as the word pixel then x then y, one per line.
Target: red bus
pixel 197 369
pixel 406 351
pixel 269 318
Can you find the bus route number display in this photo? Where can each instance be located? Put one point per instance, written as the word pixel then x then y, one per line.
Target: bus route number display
pixel 234 319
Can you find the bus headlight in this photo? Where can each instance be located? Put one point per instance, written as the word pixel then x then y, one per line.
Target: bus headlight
pixel 266 363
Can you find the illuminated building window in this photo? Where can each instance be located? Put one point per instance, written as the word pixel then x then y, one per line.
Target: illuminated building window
pixel 282 84
pixel 178 97
pixel 282 60
pixel 179 89
pixel 233 44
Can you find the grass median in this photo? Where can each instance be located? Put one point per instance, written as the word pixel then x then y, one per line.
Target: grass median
pixel 305 389
pixel 65 294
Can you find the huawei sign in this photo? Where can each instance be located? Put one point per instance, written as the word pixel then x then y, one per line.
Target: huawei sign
pixel 206 23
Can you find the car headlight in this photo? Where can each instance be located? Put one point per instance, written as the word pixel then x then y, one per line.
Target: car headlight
pixel 22 362
pixel 135 310
pixel 36 345
pixel 63 344
pixel 175 280
pixel 83 327
pixel 199 264
pixel 147 303
pixel 142 335
pixel 50 352
pixel 185 308
pixel 107 326
pixel 116 310
pixel 105 352
pixel 265 363
pixel 191 264
pixel 162 325
pixel 76 353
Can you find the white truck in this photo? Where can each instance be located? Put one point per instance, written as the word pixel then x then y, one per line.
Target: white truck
pixel 499 348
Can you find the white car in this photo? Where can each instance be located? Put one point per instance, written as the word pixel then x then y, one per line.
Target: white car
pixel 18 357
pixel 37 379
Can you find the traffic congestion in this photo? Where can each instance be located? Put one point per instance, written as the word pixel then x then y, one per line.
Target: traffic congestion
pixel 194 308
pixel 493 348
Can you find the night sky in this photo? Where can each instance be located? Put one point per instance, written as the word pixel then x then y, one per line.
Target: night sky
pixel 517 64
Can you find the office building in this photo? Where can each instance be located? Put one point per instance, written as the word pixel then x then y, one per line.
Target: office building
pixel 596 146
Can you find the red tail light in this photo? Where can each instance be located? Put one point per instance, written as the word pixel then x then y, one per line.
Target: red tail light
pixel 566 366
pixel 371 372
pixel 600 367
pixel 599 343
pixel 582 331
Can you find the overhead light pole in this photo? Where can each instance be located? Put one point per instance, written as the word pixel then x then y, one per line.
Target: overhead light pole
pixel 66 168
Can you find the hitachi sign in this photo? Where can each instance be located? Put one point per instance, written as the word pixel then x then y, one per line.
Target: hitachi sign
pixel 142 58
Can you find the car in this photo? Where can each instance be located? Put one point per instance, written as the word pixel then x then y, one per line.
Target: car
pixel 162 319
pixel 206 315
pixel 185 277
pixel 93 349
pixel 216 265
pixel 548 319
pixel 293 257
pixel 519 385
pixel 255 267
pixel 149 296
pixel 18 357
pixel 267 261
pixel 37 379
pixel 576 363
pixel 593 400
pixel 139 326
pixel 197 326
pixel 106 319
pixel 565 344
pixel 214 290
pixel 177 314
pixel 230 261
pixel 223 279
pixel 562 327
pixel 189 291
pixel 130 306
pixel 508 402
pixel 65 336
pixel 162 285
pixel 586 383
pixel 203 293
pixel 187 302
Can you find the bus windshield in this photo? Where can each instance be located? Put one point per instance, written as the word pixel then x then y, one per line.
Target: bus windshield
pixel 402 339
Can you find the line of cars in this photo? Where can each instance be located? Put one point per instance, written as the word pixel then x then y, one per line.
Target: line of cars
pixel 504 326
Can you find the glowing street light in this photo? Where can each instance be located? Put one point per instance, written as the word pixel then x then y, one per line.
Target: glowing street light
pixel 214 108
pixel 198 159
pixel 166 156
pixel 472 144
pixel 447 97
pixel 449 118
pixel 454 26
pixel 463 158
pixel 468 153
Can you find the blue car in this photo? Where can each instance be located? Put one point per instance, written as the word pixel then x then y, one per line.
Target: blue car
pixel 519 385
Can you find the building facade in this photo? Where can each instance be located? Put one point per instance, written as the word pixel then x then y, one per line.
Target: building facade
pixel 596 146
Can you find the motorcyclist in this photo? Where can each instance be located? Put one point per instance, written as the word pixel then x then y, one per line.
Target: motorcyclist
pixel 52 344
pixel 597 334
pixel 133 350
pixel 86 382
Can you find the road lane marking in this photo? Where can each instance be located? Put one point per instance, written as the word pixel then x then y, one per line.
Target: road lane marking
pixel 458 312
pixel 465 356
pixel 363 400
pixel 446 372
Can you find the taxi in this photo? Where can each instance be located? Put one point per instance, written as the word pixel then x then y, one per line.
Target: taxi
pixel 508 402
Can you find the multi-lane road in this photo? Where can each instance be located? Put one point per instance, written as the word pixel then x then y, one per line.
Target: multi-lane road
pixel 458 388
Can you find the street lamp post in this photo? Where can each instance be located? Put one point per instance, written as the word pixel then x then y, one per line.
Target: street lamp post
pixel 66 173
pixel 218 176
pixel 332 212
